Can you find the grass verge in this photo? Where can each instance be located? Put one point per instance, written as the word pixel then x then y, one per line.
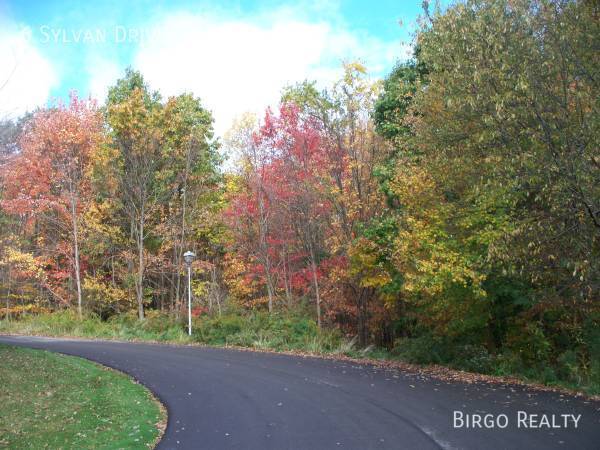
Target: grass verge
pixel 55 401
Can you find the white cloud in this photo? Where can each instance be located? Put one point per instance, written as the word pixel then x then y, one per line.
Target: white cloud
pixel 241 64
pixel 26 77
pixel 103 73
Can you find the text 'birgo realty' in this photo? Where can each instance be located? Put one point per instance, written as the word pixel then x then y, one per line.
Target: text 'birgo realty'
pixel 523 419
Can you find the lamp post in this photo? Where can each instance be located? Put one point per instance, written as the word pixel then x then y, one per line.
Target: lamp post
pixel 188 257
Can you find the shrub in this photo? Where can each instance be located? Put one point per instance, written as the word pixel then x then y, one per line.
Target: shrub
pixel 426 349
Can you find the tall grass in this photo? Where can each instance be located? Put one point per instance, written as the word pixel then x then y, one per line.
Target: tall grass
pixel 124 327
pixel 260 330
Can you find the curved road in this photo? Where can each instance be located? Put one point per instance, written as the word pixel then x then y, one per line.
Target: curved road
pixel 228 399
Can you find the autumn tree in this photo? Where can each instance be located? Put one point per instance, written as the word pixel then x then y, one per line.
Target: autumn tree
pixel 352 151
pixel 193 177
pixel 47 179
pixel 166 165
pixel 491 188
pixel 134 116
pixel 298 157
pixel 515 113
pixel 252 212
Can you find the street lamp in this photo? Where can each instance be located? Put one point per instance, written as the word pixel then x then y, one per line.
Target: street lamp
pixel 188 257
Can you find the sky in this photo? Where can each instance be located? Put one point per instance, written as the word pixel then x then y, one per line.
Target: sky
pixel 235 55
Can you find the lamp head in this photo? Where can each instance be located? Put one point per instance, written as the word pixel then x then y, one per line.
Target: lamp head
pixel 188 257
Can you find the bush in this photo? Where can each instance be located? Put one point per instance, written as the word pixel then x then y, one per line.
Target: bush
pixel 530 342
pixel 474 358
pixel 568 367
pixel 426 349
pixel 431 349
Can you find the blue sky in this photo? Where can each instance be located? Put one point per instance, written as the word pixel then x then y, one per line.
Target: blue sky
pixel 235 55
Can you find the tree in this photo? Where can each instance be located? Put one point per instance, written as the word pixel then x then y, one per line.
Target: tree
pixel 193 176
pixel 352 152
pixel 10 130
pixel 295 168
pixel 134 116
pixel 493 182
pixel 167 170
pixel 516 108
pixel 48 175
pixel 252 211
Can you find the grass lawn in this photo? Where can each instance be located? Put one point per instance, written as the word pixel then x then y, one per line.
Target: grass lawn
pixel 54 401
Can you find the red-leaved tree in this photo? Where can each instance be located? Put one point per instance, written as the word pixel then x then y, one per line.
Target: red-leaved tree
pixel 47 179
pixel 280 220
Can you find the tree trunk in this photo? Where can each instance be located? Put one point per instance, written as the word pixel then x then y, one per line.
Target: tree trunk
pixel 140 274
pixel 179 250
pixel 8 280
pixel 362 319
pixel 286 280
pixel 76 254
pixel 264 249
pixel 270 293
pixel 215 288
pixel 313 266
pixel 177 284
pixel 112 271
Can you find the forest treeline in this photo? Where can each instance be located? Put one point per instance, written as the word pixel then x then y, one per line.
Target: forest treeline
pixel 450 212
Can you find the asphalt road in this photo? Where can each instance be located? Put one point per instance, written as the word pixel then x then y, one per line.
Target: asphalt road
pixel 228 399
